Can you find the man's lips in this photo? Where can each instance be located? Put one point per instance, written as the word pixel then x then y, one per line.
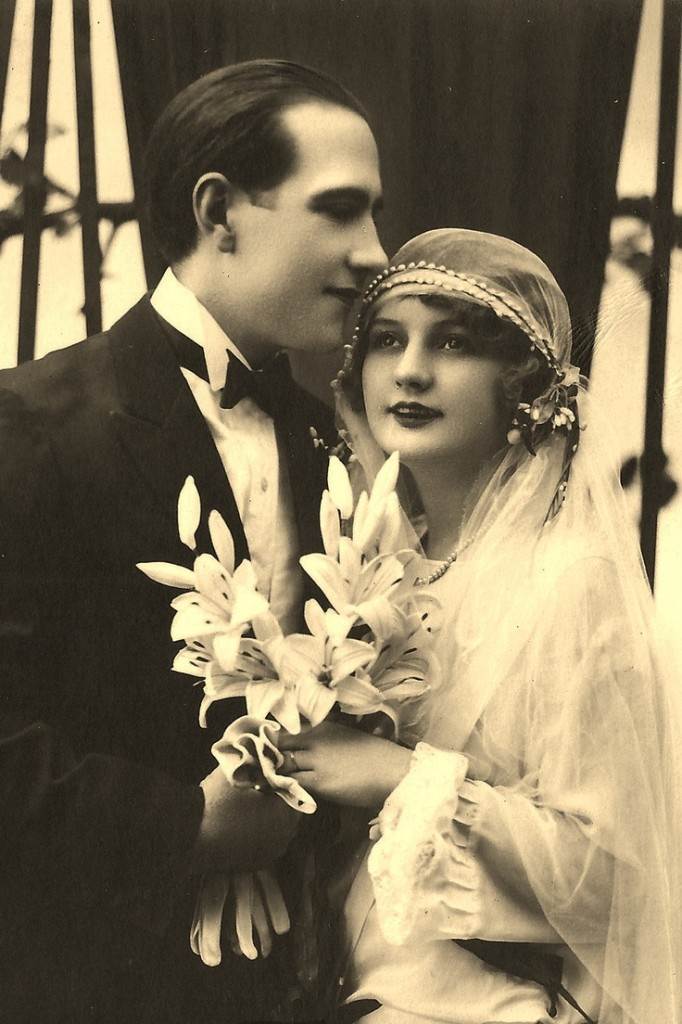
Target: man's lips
pixel 414 414
pixel 347 295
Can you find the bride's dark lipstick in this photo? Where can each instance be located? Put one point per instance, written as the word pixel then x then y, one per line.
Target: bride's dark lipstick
pixel 414 414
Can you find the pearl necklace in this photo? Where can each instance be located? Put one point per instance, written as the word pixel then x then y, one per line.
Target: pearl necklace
pixel 423 581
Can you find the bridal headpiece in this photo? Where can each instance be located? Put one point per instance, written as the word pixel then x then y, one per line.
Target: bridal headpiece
pixel 518 287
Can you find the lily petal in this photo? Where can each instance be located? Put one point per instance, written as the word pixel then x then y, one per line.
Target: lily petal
pixel 189 513
pixel 226 648
pixel 386 479
pixel 168 574
pixel 261 697
pixel 245 576
pixel 213 582
pixel 248 604
pixel 358 697
pixel 381 575
pixel 340 488
pixel 315 700
pixel 337 626
pixel 213 694
pixel 326 574
pixel 286 711
pixel 187 597
pixel 192 662
pixel 329 525
pixel 350 563
pixel 266 626
pixel 301 655
pixel 221 539
pixel 379 614
pixel 194 621
pixel 350 656
pixel 390 530
pixel 314 618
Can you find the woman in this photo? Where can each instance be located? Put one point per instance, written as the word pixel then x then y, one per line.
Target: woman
pixel 525 863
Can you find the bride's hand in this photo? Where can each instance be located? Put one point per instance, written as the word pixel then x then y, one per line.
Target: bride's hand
pixel 344 765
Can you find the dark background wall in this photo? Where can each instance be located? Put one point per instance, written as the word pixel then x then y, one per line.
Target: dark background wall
pixel 500 115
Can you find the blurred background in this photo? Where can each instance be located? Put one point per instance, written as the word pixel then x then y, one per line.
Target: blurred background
pixel 551 122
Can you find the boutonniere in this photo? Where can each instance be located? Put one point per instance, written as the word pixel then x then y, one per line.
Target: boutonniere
pixel 339 447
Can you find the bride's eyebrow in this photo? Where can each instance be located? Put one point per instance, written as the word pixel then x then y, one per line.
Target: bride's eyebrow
pixel 383 321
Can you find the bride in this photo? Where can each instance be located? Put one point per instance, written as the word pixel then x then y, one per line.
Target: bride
pixel 524 864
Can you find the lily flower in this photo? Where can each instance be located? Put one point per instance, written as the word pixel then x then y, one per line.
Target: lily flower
pixel 357 589
pixel 406 667
pixel 221 607
pixel 359 574
pixel 329 666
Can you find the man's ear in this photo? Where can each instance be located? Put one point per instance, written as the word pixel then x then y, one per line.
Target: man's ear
pixel 212 201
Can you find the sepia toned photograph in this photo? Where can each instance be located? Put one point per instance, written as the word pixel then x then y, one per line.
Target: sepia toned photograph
pixel 340 512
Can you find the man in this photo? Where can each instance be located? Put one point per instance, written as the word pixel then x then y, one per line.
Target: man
pixel 263 186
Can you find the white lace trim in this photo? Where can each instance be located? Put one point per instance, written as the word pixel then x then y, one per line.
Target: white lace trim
pixel 423 870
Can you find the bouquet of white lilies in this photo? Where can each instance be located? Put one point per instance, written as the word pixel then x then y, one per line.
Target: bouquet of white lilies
pixel 370 652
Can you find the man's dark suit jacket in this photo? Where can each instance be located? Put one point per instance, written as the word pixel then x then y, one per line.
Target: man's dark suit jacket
pixel 100 749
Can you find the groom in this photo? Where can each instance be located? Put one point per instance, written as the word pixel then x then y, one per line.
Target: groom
pixel 263 184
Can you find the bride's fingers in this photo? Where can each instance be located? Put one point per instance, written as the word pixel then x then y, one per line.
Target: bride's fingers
pixel 294 761
pixel 290 741
pixel 306 779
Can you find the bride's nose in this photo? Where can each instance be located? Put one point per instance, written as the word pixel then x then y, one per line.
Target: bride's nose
pixel 413 369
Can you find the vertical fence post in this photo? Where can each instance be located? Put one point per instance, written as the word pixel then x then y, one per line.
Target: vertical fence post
pixel 34 186
pixel 6 26
pixel 662 224
pixel 87 203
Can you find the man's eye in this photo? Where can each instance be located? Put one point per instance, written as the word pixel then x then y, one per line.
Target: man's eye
pixel 342 213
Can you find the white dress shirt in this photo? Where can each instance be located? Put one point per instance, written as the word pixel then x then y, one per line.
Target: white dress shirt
pixel 246 442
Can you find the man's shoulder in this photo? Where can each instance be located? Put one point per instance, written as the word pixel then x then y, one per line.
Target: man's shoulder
pixel 72 375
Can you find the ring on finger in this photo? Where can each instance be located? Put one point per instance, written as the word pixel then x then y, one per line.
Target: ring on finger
pixel 290 762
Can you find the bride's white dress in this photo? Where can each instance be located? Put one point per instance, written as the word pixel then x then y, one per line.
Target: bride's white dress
pixel 427 979
pixel 535 809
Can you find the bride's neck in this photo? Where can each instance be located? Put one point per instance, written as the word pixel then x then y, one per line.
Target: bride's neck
pixel 444 492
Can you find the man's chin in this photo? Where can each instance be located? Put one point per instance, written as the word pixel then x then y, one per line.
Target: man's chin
pixel 323 345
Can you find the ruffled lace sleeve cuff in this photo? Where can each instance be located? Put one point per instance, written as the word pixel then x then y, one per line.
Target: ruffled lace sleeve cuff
pixel 424 874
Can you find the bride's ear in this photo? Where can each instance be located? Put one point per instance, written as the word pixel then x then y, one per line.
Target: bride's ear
pixel 212 200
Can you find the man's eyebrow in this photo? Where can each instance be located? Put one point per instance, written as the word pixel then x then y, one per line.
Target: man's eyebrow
pixel 360 196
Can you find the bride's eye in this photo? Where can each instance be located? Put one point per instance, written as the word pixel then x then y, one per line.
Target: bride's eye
pixel 379 340
pixel 453 342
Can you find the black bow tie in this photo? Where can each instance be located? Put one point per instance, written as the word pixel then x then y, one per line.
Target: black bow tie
pixel 268 386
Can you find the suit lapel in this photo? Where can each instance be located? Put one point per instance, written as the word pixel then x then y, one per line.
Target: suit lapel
pixel 307 468
pixel 160 426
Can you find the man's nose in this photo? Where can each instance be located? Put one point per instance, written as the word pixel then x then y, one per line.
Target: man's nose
pixel 368 255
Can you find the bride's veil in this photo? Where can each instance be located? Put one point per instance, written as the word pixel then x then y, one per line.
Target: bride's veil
pixel 551 629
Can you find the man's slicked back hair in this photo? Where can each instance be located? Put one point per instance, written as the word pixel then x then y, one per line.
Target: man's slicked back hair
pixel 227 121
